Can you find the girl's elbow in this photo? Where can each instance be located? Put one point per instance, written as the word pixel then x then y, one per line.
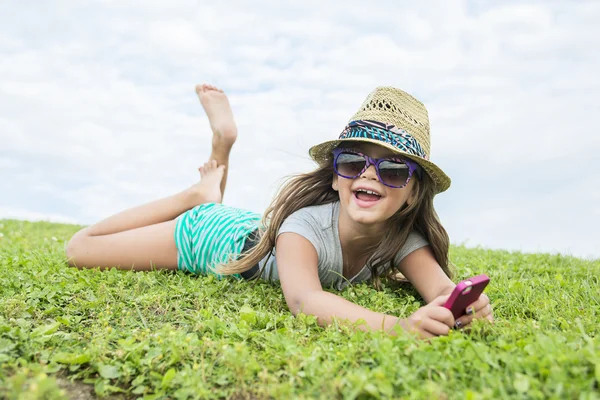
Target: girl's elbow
pixel 298 303
pixel 293 305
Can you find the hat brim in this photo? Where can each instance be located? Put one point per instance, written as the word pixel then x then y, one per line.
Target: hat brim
pixel 321 153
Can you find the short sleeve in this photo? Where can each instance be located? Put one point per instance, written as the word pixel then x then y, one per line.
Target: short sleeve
pixel 414 242
pixel 303 223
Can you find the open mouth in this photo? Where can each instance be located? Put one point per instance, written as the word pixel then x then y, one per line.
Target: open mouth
pixel 366 198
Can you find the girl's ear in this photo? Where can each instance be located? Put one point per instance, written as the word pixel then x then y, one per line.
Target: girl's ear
pixel 334 183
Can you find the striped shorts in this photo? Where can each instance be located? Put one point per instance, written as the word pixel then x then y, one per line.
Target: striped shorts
pixel 212 234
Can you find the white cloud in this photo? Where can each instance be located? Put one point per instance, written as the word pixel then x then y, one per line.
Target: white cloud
pixel 98 112
pixel 16 213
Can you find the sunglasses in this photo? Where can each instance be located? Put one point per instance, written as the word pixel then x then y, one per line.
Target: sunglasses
pixel 392 172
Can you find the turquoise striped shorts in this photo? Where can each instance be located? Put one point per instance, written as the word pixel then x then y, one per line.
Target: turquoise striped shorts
pixel 212 234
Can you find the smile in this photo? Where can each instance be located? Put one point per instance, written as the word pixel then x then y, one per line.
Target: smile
pixel 366 198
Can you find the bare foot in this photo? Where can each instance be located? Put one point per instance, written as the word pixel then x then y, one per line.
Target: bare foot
pixel 208 190
pixel 217 108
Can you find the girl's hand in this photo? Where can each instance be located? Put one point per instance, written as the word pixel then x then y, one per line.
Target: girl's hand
pixel 481 309
pixel 430 320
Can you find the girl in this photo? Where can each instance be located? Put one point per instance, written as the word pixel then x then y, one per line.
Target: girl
pixel 367 210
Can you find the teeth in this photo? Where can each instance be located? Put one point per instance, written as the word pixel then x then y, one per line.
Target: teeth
pixel 368 192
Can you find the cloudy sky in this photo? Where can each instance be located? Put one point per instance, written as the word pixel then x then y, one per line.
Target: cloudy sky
pixel 98 111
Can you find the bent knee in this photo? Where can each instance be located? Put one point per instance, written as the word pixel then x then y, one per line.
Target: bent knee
pixel 74 248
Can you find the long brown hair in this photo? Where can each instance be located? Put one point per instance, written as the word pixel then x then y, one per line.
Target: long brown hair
pixel 314 188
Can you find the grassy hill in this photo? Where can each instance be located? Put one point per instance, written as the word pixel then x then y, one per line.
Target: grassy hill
pixel 78 334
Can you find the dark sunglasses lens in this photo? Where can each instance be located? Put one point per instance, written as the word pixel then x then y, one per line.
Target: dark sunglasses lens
pixel 393 173
pixel 349 164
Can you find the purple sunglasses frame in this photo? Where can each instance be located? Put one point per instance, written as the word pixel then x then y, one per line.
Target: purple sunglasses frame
pixel 413 167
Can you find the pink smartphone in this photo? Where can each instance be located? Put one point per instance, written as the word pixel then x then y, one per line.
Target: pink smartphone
pixel 465 293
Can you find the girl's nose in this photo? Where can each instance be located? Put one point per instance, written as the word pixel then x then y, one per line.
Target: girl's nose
pixel 370 173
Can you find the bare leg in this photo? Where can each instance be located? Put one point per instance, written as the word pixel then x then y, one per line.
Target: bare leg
pixel 217 108
pixel 142 238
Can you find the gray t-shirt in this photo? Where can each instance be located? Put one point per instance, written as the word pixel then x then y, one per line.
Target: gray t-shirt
pixel 319 224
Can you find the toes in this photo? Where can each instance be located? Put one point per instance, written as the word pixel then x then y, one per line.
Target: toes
pixel 206 87
pixel 210 166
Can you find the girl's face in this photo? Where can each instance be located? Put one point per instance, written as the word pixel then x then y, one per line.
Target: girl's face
pixel 369 209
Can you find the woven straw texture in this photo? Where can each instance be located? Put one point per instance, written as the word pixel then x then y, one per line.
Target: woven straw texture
pixel 395 107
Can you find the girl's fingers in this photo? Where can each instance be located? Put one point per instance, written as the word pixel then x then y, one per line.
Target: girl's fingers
pixel 488 313
pixel 434 327
pixel 426 335
pixel 463 321
pixel 440 300
pixel 442 315
pixel 481 302
pixel 484 313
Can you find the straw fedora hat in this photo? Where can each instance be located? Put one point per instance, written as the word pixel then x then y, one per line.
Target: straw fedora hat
pixel 395 120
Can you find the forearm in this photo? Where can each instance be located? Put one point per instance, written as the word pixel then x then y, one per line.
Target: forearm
pixel 158 211
pixel 325 306
pixel 433 294
pixel 447 290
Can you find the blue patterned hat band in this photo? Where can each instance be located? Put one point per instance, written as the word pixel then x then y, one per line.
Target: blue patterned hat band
pixel 383 132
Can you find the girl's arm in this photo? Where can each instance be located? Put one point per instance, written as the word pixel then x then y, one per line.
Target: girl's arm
pixel 297 266
pixel 423 271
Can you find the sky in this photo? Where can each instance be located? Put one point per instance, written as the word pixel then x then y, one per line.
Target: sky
pixel 98 111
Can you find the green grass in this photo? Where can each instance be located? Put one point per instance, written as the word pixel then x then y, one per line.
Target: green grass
pixel 71 333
